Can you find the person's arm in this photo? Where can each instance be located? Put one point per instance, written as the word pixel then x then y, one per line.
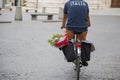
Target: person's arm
pixel 88 16
pixel 64 21
pixel 88 21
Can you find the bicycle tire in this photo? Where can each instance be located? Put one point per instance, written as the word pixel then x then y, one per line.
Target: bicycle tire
pixel 77 67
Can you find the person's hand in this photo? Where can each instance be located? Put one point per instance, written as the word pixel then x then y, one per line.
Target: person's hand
pixel 62 27
pixel 89 25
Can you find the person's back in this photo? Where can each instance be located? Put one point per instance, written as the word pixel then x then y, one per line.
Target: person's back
pixel 76 11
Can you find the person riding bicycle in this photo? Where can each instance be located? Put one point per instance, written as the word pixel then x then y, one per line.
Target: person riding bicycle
pixel 76 19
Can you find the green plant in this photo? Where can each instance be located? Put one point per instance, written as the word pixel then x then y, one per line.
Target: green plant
pixel 55 38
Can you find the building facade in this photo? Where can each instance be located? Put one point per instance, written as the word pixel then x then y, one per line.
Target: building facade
pixel 115 3
pixel 99 4
pixel 3 3
pixel 93 4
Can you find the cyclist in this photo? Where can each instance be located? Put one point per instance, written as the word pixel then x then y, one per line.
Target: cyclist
pixel 76 19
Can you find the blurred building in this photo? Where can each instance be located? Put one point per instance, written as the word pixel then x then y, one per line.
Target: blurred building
pixel 115 3
pixel 3 3
pixel 93 4
pixel 101 4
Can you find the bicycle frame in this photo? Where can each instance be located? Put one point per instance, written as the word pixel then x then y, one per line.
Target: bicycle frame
pixel 77 49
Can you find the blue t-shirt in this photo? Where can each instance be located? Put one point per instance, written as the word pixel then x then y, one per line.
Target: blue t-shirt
pixel 77 12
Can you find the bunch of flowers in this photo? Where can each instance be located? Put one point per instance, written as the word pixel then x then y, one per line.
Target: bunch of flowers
pixel 58 40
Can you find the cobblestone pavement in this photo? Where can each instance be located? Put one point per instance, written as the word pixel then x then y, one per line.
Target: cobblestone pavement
pixel 26 55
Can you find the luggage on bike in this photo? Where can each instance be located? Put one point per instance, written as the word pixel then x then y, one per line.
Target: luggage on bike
pixel 68 52
pixel 86 50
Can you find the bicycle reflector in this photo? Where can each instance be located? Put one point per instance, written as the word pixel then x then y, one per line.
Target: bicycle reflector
pixel 78 45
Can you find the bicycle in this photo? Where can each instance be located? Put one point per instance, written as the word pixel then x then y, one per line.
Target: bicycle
pixel 77 51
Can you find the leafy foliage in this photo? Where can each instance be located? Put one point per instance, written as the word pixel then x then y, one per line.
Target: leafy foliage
pixel 55 38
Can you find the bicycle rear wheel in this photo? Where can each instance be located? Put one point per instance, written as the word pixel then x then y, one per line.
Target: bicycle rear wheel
pixel 77 66
pixel 77 69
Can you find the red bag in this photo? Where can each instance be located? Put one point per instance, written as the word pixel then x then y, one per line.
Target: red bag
pixel 62 42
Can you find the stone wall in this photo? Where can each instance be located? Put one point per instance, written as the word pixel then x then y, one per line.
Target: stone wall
pixel 48 5
pixel 54 5
pixel 93 4
pixel 99 4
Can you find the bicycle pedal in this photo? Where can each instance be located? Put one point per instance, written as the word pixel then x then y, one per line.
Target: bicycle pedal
pixel 80 65
pixel 75 69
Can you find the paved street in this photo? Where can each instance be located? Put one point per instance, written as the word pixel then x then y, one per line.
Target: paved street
pixel 26 55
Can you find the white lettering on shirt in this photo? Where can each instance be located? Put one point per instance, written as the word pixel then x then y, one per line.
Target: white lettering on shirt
pixel 79 3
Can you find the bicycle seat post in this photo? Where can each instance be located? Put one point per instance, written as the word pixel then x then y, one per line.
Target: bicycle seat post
pixel 75 37
pixel 77 45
